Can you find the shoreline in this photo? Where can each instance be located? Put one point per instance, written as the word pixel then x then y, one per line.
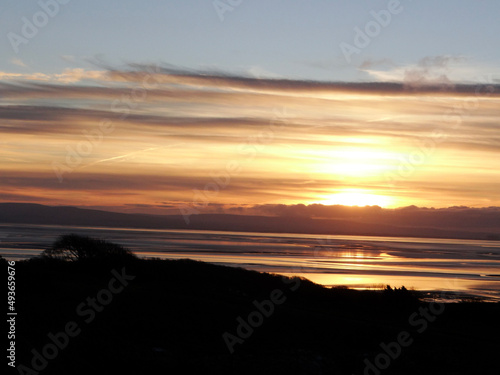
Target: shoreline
pixel 356 261
pixel 139 228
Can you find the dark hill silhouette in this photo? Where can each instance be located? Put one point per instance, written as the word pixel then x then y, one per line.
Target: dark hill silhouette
pixel 20 213
pixel 171 316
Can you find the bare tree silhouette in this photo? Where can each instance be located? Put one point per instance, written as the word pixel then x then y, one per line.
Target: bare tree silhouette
pixel 74 247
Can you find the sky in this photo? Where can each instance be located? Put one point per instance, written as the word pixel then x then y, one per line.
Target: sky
pixel 205 106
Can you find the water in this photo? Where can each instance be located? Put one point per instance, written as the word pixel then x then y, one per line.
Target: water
pixel 456 266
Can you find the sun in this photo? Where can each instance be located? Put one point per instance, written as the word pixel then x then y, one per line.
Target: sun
pixel 355 197
pixel 355 162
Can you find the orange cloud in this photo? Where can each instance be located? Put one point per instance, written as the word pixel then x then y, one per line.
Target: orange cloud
pixel 157 134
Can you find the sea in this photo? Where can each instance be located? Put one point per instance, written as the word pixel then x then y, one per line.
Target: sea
pixel 452 269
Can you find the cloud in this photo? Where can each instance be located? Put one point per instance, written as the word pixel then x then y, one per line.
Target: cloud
pixel 451 217
pixel 259 73
pixel 290 137
pixel 67 76
pixel 370 63
pixel 69 58
pixel 18 62
pixel 171 82
pixel 432 70
pixel 443 72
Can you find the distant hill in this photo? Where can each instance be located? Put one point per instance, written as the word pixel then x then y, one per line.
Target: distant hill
pixel 24 213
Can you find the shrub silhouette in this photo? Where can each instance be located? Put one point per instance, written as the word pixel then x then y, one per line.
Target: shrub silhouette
pixel 74 247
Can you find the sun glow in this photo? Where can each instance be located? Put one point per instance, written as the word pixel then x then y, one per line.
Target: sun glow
pixel 355 162
pixel 357 198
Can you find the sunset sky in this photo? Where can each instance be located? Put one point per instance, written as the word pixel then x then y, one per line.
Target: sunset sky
pixel 156 107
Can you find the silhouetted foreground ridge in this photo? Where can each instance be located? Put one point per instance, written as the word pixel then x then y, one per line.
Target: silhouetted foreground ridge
pixel 134 316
